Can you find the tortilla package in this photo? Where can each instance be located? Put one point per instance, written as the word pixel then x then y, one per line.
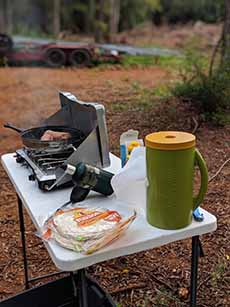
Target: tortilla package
pixel 86 229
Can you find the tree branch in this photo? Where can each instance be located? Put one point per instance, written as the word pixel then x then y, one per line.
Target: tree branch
pixel 128 287
pixel 214 53
pixel 219 170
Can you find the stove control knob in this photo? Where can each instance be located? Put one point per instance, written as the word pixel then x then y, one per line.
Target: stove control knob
pixel 32 177
pixel 19 159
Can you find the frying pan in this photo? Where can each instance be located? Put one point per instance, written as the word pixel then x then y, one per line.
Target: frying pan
pixel 31 138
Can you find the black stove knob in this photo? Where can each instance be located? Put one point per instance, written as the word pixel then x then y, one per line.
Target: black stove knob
pixel 32 177
pixel 19 159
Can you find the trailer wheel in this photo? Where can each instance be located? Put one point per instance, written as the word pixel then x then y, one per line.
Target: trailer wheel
pixel 55 57
pixel 6 43
pixel 80 58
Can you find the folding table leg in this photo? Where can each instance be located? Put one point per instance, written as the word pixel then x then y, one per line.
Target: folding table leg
pixel 83 288
pixel 80 288
pixel 22 230
pixel 74 282
pixel 194 269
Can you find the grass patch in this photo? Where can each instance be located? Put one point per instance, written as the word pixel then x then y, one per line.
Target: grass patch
pixel 120 106
pixel 175 63
pixel 162 91
pixel 218 274
pixel 171 62
pixel 139 60
pixel 142 98
pixel 184 64
pixel 165 298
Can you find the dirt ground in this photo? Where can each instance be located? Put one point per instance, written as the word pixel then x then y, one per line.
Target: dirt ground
pixel 158 277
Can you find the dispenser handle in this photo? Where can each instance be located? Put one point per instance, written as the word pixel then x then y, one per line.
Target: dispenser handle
pixel 78 194
pixel 204 179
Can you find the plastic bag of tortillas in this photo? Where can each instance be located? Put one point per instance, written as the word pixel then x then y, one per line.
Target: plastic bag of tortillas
pixel 85 229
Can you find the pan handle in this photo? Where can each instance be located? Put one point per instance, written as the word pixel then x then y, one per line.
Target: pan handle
pixel 10 126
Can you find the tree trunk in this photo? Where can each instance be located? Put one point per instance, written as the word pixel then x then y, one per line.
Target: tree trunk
pixel 9 15
pixel 226 38
pixel 56 17
pixel 2 17
pixel 91 16
pixel 98 33
pixel 114 17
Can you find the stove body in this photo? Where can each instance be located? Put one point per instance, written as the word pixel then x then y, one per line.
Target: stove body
pixel 47 168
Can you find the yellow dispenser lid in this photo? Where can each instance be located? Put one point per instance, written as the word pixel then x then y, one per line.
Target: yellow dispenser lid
pixel 170 140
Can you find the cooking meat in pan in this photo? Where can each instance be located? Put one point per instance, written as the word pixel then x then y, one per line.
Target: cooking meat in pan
pixel 51 135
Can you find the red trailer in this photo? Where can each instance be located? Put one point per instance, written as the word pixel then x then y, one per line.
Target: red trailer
pixel 54 54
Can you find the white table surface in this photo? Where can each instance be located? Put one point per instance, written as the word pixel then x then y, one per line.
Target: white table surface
pixel 140 236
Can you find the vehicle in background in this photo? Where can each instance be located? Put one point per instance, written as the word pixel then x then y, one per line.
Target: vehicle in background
pixel 54 54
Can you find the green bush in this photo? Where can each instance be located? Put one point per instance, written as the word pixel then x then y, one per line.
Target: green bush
pixel 184 11
pixel 138 60
pixel 209 94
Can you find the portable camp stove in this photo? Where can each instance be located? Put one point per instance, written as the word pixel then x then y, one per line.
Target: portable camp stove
pixel 48 167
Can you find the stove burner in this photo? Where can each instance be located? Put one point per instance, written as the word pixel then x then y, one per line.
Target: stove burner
pixel 50 161
pixel 46 167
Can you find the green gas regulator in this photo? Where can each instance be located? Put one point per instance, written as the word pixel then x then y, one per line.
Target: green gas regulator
pixel 87 177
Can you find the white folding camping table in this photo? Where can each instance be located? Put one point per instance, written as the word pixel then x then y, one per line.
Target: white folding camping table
pixel 139 237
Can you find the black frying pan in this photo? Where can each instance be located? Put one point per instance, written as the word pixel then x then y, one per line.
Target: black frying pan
pixel 31 138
